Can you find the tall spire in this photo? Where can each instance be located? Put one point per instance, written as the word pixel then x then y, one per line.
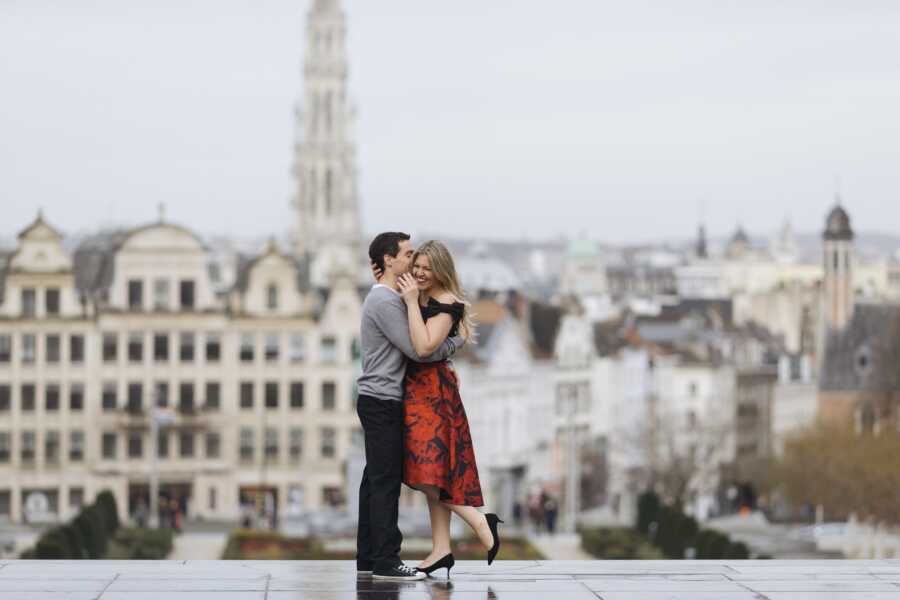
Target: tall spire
pixel 328 230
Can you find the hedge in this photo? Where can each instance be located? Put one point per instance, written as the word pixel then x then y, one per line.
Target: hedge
pixel 673 532
pixel 141 544
pixel 618 544
pixel 86 536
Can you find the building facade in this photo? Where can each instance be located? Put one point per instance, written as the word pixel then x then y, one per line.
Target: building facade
pixel 257 381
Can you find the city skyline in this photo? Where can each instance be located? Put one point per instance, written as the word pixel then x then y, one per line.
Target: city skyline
pixel 636 117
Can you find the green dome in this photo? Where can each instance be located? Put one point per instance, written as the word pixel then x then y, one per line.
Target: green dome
pixel 583 248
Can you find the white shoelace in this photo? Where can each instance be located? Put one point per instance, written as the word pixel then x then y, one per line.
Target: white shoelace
pixel 406 570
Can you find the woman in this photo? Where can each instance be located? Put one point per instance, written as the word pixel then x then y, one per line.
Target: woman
pixel 439 459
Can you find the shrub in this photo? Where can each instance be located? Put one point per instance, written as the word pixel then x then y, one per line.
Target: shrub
pixel 106 502
pixel 648 507
pixel 718 545
pixel 93 530
pixel 618 544
pixel 75 540
pixel 141 544
pixel 53 545
pixel 688 529
pixel 737 551
pixel 703 543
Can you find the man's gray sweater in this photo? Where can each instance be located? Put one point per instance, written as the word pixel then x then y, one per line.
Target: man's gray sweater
pixel 386 345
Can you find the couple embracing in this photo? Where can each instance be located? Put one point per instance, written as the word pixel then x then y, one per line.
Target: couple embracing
pixel 415 427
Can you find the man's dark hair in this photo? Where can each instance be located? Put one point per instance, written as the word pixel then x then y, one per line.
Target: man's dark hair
pixel 386 243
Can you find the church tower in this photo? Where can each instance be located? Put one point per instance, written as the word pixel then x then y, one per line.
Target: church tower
pixel 838 249
pixel 327 231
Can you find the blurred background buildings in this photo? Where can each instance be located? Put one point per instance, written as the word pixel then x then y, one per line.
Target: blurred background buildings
pixel 601 370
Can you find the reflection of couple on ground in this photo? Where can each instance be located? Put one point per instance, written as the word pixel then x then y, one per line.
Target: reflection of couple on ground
pixel 415 427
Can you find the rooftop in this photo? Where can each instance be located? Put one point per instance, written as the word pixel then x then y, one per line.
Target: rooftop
pixel 525 580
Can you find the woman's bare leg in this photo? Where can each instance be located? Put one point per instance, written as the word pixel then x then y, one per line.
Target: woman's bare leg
pixel 440 525
pixel 476 520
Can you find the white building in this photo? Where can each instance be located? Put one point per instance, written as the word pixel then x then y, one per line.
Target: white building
pixel 505 386
pixel 261 380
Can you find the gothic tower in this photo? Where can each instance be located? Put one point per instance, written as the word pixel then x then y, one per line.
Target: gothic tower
pixel 838 249
pixel 328 230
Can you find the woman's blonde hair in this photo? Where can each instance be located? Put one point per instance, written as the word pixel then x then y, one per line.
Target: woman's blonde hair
pixel 444 271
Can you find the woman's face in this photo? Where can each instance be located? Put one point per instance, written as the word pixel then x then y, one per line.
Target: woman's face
pixel 422 273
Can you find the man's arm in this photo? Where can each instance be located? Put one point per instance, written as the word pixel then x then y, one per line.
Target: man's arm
pixel 391 319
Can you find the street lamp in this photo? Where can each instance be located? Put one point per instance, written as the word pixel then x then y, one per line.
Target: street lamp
pixel 160 416
pixel 570 393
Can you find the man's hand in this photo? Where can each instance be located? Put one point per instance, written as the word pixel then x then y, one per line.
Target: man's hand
pixel 409 289
pixel 377 273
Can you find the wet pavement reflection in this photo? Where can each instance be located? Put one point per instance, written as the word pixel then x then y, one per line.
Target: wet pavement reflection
pixel 505 580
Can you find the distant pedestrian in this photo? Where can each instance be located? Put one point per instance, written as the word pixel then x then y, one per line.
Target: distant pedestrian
pixel 536 512
pixel 175 511
pixel 517 513
pixel 551 511
pixel 140 514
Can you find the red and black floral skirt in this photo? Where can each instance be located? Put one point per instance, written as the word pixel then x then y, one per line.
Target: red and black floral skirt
pixel 437 444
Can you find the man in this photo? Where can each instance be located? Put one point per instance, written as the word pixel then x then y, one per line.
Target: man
pixel 386 346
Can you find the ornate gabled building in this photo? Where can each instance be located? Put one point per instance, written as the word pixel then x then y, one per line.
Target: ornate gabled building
pixel 258 381
pixel 328 225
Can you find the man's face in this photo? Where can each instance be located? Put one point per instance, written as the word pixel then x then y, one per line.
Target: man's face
pixel 401 263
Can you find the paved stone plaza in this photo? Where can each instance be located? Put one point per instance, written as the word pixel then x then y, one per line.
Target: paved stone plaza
pixel 331 580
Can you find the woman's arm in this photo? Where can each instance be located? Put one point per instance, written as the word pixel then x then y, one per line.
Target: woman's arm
pixel 426 337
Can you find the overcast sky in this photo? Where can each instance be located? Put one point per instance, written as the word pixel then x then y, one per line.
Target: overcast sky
pixel 499 118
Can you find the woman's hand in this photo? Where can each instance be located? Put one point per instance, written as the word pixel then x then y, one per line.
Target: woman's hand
pixel 409 289
pixel 377 273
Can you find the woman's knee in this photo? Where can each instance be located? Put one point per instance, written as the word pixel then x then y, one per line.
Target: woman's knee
pixel 429 490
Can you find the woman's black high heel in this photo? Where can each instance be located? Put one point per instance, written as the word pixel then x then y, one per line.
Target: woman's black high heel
pixel 492 521
pixel 446 562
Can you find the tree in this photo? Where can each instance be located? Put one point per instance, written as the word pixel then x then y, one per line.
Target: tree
pixel 682 455
pixel 844 471
pixel 110 511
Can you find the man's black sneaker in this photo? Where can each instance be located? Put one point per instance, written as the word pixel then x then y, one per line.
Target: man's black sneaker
pixel 399 573
pixel 364 567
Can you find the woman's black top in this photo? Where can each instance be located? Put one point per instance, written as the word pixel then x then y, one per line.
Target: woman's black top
pixel 434 307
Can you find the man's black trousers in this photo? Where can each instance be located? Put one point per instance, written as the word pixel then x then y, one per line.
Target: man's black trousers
pixel 378 537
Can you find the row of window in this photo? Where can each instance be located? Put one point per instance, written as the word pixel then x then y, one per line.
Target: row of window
pixel 162 297
pixel 162 348
pixel 52 447
pixel 187 401
pixel 186 440
pixel 76 500
pixel 53 348
pixel 29 297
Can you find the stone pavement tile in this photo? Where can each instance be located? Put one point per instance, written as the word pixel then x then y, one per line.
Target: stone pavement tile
pixel 83 569
pixel 843 566
pixel 445 595
pixel 49 595
pixel 678 595
pixel 492 594
pixel 123 584
pixel 856 585
pixel 37 584
pixel 183 596
pixel 844 576
pixel 305 595
pixel 347 584
pixel 832 595
pixel 545 587
pixel 655 584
